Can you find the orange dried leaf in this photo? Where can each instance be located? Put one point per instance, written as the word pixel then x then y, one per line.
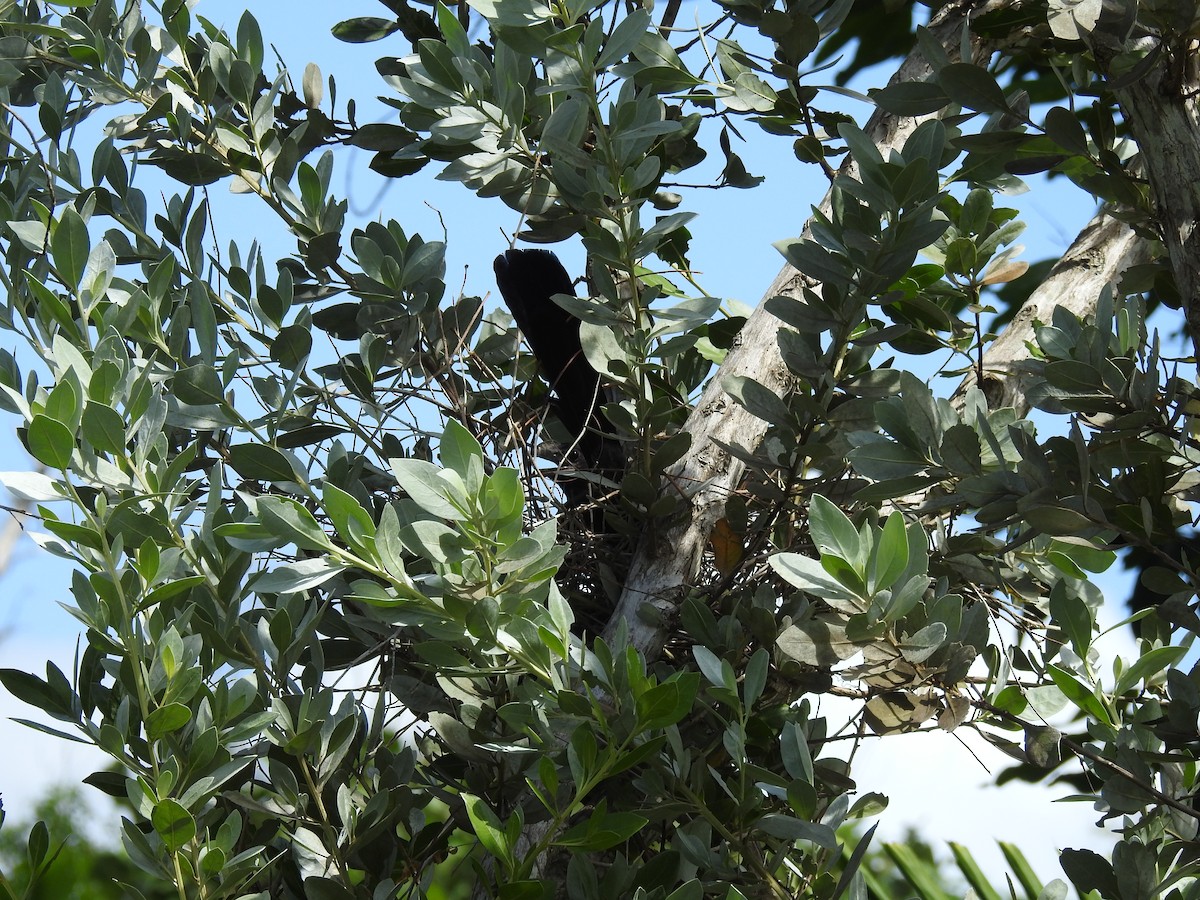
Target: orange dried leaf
pixel 726 547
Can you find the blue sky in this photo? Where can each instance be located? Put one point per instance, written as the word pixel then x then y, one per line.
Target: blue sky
pixel 933 780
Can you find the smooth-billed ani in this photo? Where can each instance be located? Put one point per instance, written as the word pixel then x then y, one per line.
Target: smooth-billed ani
pixel 528 281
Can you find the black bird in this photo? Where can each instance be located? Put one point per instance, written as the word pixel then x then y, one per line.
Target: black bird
pixel 528 281
pixel 594 569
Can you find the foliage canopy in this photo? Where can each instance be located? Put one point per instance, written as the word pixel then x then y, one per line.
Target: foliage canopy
pixel 333 646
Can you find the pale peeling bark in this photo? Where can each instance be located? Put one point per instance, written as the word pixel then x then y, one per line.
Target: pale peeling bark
pixel 1164 118
pixel 1102 251
pixel 667 560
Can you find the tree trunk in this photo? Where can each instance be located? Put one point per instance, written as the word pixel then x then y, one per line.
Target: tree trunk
pixel 667 559
pixel 1103 250
pixel 1164 117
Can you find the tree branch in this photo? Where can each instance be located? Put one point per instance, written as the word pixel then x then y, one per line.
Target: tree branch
pixel 1164 118
pixel 1085 752
pixel 667 559
pixel 1103 250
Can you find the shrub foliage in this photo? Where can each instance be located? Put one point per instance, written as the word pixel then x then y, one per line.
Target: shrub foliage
pixel 328 584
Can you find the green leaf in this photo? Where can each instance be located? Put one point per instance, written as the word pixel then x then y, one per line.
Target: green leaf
pixel 389 544
pixel 671 450
pixel 461 453
pixel 422 482
pixel 487 826
pixel 717 670
pixel 1148 665
pixel 1077 556
pixel 905 598
pixel 862 147
pixel 382 136
pixel 961 451
pixel 452 30
pixel 1042 746
pixel 198 386
pixel 296 576
pixel 850 871
pixel 1079 694
pixel 292 346
pixel 194 169
pixel 525 890
pixel 173 823
pixel 32 234
pixel 1064 129
pixel 972 872
pixel 169 589
pixel 260 462
pixel 890 556
pixel 318 888
pixel 793 829
pixel 603 350
pixel 50 442
pixel 566 126
pixel 817 642
pixel 756 677
pixel 70 247
pixel 1056 520
pixel 503 495
pixel 364 29
pixel 917 871
pixel 654 51
pixel 881 459
pixel 898 711
pixel 624 38
pixel 797 759
pixel 834 533
pixel 919 647
pixel 666 704
pixel 812 259
pixel 1073 20
pixel 637 755
pixel 809 575
pixel 352 522
pixel 1075 376
pixel 287 519
pixel 1089 871
pixel 1020 867
pixel 166 719
pixel 305 435
pixel 35 486
pixel 250 537
pixel 1070 613
pixel 103 428
pixel 38 844
pixel 53 732
pixel 602 831
pixel 691 890
pixel 757 399
pixel 750 94
pixel 435 541
pixel 250 41
pixel 48 696
pixel 911 98
pixel 63 404
pixel 973 87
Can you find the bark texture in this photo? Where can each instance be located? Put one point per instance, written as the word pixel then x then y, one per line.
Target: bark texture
pixel 1103 250
pixel 1164 117
pixel 667 559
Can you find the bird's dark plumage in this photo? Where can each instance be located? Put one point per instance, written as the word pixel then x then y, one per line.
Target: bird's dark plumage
pixel 528 281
